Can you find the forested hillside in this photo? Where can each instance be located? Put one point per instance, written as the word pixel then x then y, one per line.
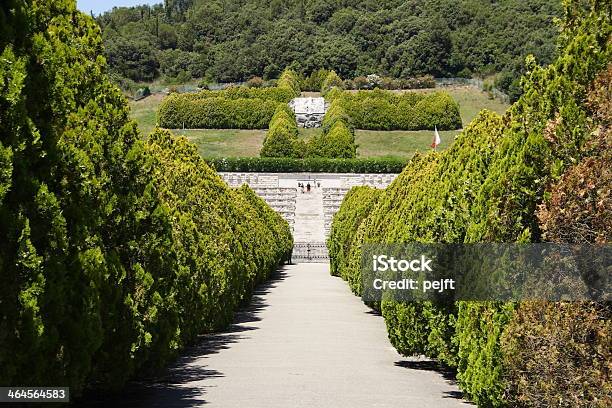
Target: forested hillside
pixel 233 40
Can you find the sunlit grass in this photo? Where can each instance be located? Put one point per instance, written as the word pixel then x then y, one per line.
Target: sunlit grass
pixel 247 143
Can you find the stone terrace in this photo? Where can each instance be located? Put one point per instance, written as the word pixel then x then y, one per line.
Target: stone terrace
pixel 309 213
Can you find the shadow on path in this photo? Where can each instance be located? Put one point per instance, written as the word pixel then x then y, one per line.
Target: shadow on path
pixel 179 385
pixel 444 371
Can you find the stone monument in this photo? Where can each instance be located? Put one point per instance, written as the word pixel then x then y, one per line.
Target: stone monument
pixel 309 112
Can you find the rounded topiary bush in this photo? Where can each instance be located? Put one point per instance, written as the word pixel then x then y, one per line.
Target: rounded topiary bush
pixel 289 80
pixel 282 137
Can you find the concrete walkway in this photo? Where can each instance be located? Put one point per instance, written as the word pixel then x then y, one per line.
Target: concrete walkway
pixel 305 341
pixel 309 223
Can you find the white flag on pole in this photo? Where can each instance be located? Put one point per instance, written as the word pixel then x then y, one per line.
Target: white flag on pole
pixel 436 139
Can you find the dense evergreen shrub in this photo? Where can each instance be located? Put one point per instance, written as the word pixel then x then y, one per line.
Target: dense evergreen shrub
pixel 361 82
pixel 237 107
pixel 114 251
pixel 224 242
pixel 558 354
pixel 337 139
pixel 322 165
pixel 385 110
pixel 487 188
pixel 282 137
pixel 548 125
pixel 337 142
pixel 356 206
pixel 289 80
pixel 177 112
pixel 279 241
pixel 332 80
pixel 276 93
pixel 423 82
pixel 421 193
pixel 314 82
pixel 255 82
pixel 335 113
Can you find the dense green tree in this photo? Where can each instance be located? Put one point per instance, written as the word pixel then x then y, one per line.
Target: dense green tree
pixel 115 252
pixel 132 58
pixel 540 172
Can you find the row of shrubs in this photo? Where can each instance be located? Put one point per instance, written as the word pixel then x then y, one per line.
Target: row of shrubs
pixel 176 112
pixel 385 110
pixel 535 175
pixel 314 165
pixel 277 94
pixel 344 240
pixel 388 83
pixel 314 82
pixel 282 136
pixel 115 251
pixel 232 108
pixel 328 80
pixel 337 138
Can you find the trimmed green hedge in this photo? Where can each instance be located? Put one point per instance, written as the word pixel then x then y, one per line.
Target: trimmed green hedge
pixel 487 188
pixel 176 112
pixel 331 81
pixel 385 110
pixel 231 108
pixel 337 139
pixel 231 232
pixel 543 359
pixel 319 165
pixel 337 142
pixel 289 80
pixel 421 192
pixel 343 236
pixel 277 94
pixel 115 252
pixel 282 137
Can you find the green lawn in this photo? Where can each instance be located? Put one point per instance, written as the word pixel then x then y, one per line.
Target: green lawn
pixel 405 143
pixel 398 143
pixel 232 142
pixel 471 101
pixel 395 143
pixel 144 112
pixel 225 142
